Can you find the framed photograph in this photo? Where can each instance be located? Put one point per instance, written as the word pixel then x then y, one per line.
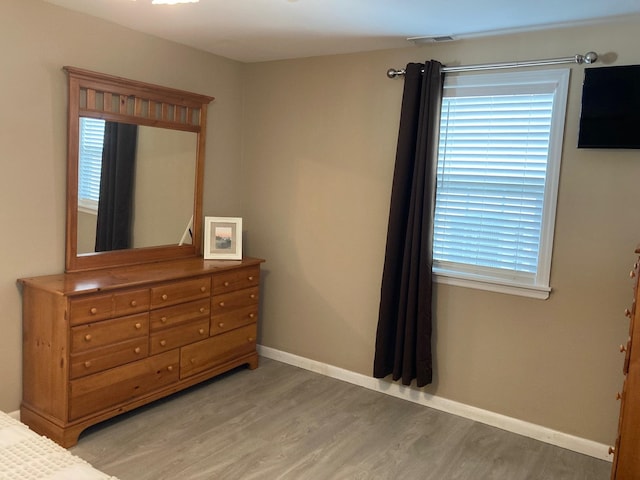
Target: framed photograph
pixel 222 238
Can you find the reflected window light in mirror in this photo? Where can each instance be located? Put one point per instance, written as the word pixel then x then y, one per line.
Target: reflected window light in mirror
pixel 90 163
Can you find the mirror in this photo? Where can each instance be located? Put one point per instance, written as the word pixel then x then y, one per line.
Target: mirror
pixel 162 171
pixel 163 186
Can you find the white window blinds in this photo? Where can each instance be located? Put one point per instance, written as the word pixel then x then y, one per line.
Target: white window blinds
pixel 498 159
pixel 90 162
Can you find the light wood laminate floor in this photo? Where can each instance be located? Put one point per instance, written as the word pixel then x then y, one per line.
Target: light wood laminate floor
pixel 282 422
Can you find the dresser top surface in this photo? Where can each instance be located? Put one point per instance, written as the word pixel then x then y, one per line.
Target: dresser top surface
pixel 135 275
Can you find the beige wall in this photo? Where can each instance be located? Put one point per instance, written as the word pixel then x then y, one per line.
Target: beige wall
pixel 87 225
pixel 163 193
pixel 319 141
pixel 304 152
pixel 36 40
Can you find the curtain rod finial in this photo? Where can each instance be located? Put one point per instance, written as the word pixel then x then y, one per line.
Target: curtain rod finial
pixel 393 73
pixel 588 58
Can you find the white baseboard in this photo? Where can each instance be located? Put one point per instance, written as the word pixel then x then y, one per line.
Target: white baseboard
pixel 510 424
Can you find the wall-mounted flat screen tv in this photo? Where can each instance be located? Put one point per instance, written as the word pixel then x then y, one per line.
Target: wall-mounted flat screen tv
pixel 610 116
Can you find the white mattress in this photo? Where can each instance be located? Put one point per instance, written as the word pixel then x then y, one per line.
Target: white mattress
pixel 25 455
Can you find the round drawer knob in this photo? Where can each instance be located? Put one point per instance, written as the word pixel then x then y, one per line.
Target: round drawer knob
pixel 87 338
pixel 170 368
pixel 138 326
pixel 252 296
pixel 632 274
pixel 250 339
pixel 201 331
pixel 136 350
pixel 193 360
pixel 250 278
pixel 87 364
pixel 623 348
pixel 627 312
pixel 221 304
pixel 93 310
pixel 618 396
pixel 221 324
pixel 163 319
pixel 133 303
pixel 612 450
pixel 164 296
pixel 252 315
pixel 226 284
pixel 163 343
pixel 201 309
pixel 203 289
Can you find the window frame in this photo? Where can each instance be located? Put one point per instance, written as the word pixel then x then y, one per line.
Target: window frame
pixel 501 280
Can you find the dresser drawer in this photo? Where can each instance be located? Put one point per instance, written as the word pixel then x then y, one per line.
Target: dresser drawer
pixel 233 319
pixel 99 334
pixel 221 304
pixel 180 292
pixel 99 359
pixel 121 384
pixel 201 356
pixel 184 334
pixel 90 308
pixel 130 302
pixel 236 280
pixel 172 316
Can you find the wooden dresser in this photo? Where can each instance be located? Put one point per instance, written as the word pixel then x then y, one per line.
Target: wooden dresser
pixel 626 460
pixel 100 343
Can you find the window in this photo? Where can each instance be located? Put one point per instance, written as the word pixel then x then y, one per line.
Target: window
pixel 497 180
pixel 90 163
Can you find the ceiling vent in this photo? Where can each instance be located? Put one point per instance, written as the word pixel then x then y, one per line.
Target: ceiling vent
pixel 431 39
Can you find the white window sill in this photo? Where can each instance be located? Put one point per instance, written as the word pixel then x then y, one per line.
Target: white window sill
pixel 88 206
pixel 491 285
pixel 87 210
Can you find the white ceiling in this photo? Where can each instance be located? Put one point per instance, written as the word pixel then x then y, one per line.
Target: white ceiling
pixel 259 30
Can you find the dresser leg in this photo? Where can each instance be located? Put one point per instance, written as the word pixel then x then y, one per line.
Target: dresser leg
pixel 253 362
pixel 65 437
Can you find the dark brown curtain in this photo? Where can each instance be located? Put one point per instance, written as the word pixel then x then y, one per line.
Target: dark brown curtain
pixel 115 207
pixel 403 340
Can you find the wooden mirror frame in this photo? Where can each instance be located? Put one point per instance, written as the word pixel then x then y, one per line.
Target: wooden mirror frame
pixel 118 99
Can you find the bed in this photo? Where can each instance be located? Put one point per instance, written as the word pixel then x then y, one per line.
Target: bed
pixel 25 455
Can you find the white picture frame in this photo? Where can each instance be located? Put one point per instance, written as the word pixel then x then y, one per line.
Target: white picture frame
pixel 222 238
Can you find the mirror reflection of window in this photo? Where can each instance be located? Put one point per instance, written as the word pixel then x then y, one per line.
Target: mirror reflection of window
pixel 90 163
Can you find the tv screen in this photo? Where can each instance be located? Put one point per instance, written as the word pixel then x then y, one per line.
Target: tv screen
pixel 610 116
